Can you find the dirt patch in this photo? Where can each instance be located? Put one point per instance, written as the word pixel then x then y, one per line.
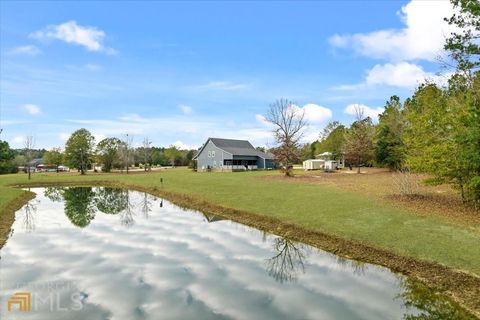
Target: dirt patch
pixel 461 287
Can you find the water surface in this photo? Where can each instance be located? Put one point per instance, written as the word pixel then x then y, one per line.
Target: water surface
pixel 103 253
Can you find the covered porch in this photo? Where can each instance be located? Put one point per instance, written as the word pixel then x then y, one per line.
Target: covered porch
pixel 240 164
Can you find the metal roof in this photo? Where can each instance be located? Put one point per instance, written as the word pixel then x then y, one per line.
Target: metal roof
pixel 238 148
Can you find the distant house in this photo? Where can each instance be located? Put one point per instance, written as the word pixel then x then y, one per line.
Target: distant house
pixel 35 165
pixel 231 155
pixel 323 161
pixel 38 165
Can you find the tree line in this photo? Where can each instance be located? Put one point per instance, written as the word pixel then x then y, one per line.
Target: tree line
pixel 115 153
pixel 82 153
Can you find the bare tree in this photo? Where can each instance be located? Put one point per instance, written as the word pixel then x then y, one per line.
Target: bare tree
pixel 29 144
pixel 289 122
pixel 147 154
pixel 30 212
pixel 146 205
pixel 125 151
pixel 126 215
pixel 288 262
pixel 358 146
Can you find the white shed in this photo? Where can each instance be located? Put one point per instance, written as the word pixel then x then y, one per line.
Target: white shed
pixel 313 164
pixel 328 157
pixel 331 165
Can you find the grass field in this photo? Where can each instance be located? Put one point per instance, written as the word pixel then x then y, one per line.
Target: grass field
pixel 346 214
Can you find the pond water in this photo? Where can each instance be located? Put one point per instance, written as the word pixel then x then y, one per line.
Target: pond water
pixel 104 253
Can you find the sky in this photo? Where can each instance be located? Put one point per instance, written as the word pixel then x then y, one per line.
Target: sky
pixel 180 72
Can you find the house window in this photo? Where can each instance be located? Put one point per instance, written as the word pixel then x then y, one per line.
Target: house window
pixel 209 154
pixel 213 154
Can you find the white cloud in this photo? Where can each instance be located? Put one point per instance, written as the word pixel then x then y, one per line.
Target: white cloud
pixel 64 136
pixel 316 114
pixel 187 110
pixel 223 85
pixel 367 111
pixel 19 140
pixel 349 87
pixel 422 37
pixel 4 123
pixel 26 50
pixel 70 32
pixel 402 74
pixel 134 117
pixel 98 136
pixel 32 109
pixel 339 41
pixel 260 118
pixel 183 146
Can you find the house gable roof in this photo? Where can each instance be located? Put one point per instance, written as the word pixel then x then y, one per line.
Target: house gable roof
pixel 236 147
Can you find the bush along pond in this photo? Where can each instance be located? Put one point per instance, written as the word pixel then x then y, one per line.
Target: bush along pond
pixel 107 253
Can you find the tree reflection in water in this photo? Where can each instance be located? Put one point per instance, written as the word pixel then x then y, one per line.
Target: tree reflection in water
pixel 79 206
pixel 78 203
pixel 358 267
pixel 126 215
pixel 81 203
pixel 29 218
pixel 146 204
pixel 54 194
pixel 110 200
pixel 431 305
pixel 420 301
pixel 288 262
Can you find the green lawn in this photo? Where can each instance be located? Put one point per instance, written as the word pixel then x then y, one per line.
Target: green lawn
pixel 329 210
pixel 7 194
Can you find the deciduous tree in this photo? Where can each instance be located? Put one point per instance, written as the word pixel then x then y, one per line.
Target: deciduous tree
pixel 7 165
pixel 288 122
pixel 358 146
pixel 54 156
pixel 172 153
pixel 332 139
pixel 125 151
pixel 389 148
pixel 79 150
pixel 107 152
pixel 147 153
pixel 464 45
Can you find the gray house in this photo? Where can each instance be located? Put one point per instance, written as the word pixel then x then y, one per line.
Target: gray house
pixel 232 155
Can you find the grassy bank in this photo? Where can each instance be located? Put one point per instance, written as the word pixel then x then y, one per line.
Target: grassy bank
pixel 10 201
pixel 345 222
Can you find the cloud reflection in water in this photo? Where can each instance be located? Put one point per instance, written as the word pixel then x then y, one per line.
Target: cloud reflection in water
pixel 131 259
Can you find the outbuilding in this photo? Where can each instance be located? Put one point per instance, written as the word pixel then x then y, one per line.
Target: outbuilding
pixel 324 161
pixel 313 164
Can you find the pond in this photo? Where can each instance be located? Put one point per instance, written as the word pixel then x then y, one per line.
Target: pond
pixel 105 253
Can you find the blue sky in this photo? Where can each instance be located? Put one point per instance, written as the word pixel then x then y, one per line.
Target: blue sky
pixel 181 72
